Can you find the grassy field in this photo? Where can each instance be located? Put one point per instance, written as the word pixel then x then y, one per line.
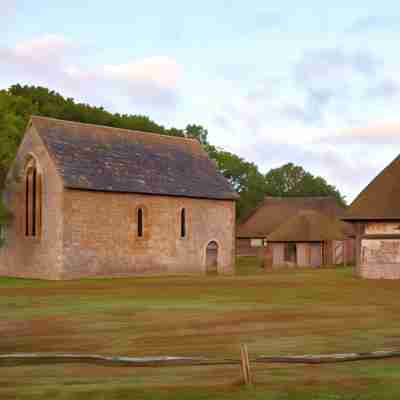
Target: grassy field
pixel 275 313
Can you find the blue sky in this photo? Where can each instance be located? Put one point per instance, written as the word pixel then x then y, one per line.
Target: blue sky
pixel 284 82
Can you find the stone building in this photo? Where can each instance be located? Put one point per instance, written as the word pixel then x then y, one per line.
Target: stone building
pixel 375 214
pixel 274 212
pixel 91 200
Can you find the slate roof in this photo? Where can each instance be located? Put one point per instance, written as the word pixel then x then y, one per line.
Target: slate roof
pixel 274 211
pixel 309 226
pixel 380 200
pixel 92 157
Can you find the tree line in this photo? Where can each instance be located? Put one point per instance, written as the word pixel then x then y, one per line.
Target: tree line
pixel 18 103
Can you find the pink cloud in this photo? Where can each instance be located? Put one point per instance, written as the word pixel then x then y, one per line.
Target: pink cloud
pixel 53 60
pixel 383 133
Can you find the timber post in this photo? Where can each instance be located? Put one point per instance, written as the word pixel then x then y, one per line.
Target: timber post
pixel 245 364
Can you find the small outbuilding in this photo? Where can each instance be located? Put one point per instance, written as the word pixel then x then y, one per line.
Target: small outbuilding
pixel 375 215
pixel 261 225
pixel 307 239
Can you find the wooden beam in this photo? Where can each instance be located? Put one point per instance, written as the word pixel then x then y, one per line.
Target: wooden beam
pixel 381 236
pixel 245 364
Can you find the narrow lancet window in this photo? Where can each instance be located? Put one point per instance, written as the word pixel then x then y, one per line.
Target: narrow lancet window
pixel 183 223
pixel 33 199
pixel 140 222
pixel 27 196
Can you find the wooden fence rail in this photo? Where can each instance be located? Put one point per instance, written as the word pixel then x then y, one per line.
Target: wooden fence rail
pixel 38 358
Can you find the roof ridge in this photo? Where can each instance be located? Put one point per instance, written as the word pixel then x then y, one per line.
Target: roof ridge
pixel 379 174
pixel 113 128
pixel 357 209
pixel 300 197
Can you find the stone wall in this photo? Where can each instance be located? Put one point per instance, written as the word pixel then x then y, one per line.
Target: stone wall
pixel 380 271
pixel 380 256
pixel 95 234
pixel 100 234
pixel 39 257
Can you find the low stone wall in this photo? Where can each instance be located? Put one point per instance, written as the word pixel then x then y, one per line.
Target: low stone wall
pixel 380 259
pixel 380 271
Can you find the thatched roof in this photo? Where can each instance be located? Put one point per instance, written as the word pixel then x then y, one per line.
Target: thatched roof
pixel 100 158
pixel 309 226
pixel 380 200
pixel 274 211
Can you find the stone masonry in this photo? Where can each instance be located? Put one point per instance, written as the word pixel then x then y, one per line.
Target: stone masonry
pixel 94 233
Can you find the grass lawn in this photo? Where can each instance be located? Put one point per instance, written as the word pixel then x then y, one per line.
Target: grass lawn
pixel 275 313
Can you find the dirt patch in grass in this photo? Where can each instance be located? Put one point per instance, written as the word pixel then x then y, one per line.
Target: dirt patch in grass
pixel 42 335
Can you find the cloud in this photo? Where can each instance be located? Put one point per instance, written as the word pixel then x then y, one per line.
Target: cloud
pixel 37 53
pixel 334 63
pixel 374 22
pixel 264 90
pixel 369 135
pixel 331 79
pixel 325 87
pixel 223 121
pixel 53 60
pixel 386 88
pixel 323 115
pixel 150 81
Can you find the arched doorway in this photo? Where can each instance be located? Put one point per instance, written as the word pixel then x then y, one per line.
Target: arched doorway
pixel 212 258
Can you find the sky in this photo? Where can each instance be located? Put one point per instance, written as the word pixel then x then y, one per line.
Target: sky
pixel 273 82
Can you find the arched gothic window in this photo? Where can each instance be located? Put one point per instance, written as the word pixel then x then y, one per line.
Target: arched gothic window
pixel 33 200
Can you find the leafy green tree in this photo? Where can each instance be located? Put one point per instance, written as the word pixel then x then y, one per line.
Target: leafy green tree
pixel 244 176
pixel 12 123
pixel 197 132
pixel 19 102
pixel 292 180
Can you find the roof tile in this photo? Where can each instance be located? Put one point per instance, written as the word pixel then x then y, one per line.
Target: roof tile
pixel 92 157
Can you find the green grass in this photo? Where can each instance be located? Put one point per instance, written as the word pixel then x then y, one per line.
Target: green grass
pixel 249 266
pixel 275 313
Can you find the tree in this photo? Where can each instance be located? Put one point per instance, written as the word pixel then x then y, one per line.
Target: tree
pixel 244 176
pixel 292 180
pixel 197 132
pixel 12 123
pixel 19 102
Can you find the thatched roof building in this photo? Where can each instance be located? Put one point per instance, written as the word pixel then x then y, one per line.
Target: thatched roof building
pixel 279 229
pixel 309 226
pixel 380 199
pixel 274 211
pixel 375 216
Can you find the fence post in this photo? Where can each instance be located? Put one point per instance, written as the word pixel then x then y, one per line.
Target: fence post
pixel 245 364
